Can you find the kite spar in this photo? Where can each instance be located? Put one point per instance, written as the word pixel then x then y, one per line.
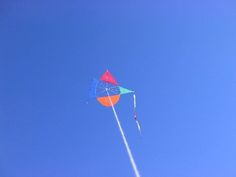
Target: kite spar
pixel 108 94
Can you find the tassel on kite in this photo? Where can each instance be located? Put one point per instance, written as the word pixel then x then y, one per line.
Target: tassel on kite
pixel 135 114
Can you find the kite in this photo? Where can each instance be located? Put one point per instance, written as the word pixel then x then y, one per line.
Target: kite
pixel 108 92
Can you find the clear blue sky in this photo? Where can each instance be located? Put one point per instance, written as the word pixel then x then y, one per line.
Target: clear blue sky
pixel 179 57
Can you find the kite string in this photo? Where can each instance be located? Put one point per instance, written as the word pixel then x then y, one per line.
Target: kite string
pixel 124 139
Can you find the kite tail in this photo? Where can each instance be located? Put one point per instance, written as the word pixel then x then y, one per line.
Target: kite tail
pixel 135 115
pixel 131 158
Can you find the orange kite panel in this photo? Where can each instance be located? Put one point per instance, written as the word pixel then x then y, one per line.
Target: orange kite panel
pixel 106 102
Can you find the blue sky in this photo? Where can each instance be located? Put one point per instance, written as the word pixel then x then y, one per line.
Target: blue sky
pixel 179 57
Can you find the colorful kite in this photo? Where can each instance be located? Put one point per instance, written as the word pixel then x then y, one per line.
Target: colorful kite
pixel 107 91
